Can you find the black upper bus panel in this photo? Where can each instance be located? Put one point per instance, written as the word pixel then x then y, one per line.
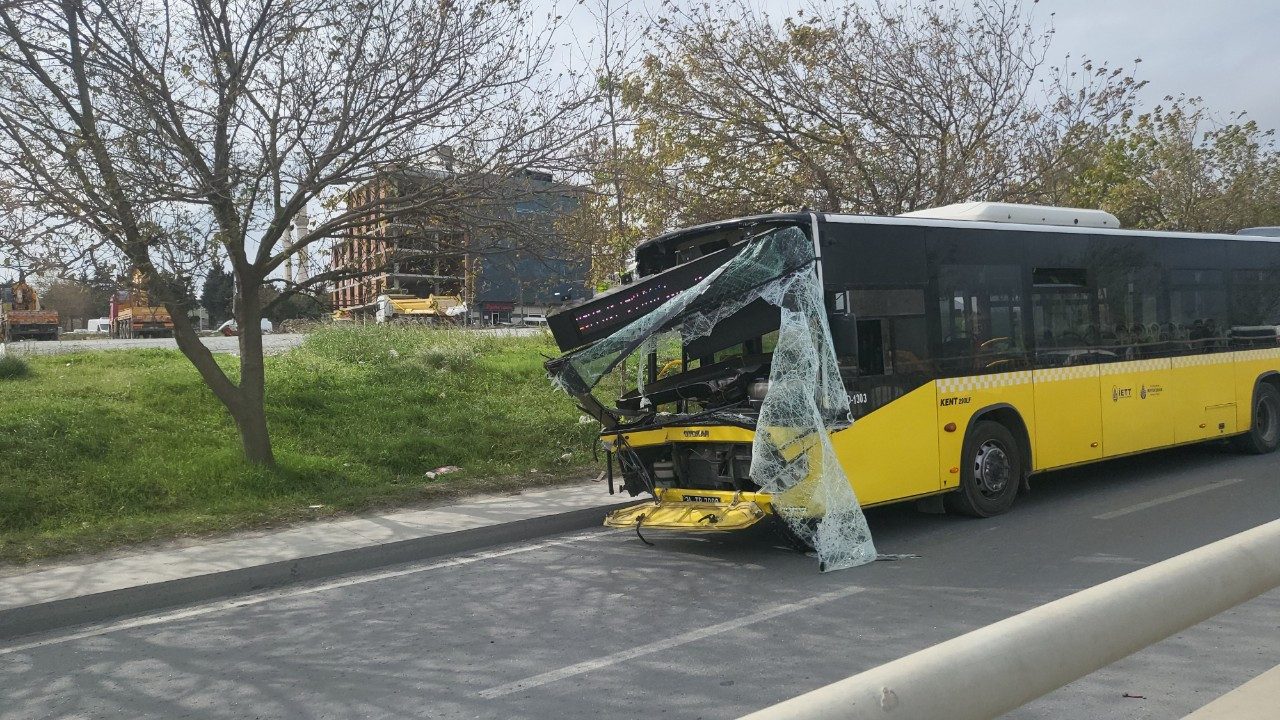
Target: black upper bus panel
pixel 606 313
pixel 674 248
pixel 666 265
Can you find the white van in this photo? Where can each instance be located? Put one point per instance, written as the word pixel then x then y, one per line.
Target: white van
pixel 229 328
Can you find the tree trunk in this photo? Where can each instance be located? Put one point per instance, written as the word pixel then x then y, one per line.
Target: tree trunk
pixel 252 417
pixel 244 403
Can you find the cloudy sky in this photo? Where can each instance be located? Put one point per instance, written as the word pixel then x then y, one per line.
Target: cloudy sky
pixel 1226 51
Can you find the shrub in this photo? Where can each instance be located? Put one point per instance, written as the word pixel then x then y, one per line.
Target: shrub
pixel 12 366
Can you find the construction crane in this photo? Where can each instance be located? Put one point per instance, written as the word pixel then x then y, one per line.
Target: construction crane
pixel 22 317
pixel 133 315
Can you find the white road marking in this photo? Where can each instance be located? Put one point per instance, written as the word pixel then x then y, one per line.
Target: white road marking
pixel 664 644
pixel 240 602
pixel 1108 560
pixel 1167 498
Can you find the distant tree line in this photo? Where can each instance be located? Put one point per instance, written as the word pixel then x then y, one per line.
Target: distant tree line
pixel 892 106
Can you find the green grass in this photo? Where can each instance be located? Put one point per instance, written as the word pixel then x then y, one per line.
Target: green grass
pixel 110 448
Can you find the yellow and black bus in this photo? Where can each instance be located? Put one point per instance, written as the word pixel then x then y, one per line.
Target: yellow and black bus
pixel 978 345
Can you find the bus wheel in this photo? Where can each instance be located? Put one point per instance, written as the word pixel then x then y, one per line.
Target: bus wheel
pixel 1264 436
pixel 990 472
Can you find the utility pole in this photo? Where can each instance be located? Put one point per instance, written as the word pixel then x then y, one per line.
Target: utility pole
pixel 302 226
pixel 286 240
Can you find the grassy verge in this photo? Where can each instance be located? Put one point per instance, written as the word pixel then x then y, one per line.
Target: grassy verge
pixel 111 448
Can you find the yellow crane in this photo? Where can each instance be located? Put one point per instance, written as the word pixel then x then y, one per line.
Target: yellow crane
pixel 22 317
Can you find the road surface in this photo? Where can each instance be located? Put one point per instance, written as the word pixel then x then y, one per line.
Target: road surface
pixel 597 624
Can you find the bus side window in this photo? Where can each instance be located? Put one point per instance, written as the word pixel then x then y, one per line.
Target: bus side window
pixel 1197 312
pixel 891 330
pixel 1255 307
pixel 980 313
pixel 870 347
pixel 844 328
pixel 1128 305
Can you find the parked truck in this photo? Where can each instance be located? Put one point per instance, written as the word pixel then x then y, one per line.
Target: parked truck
pixel 21 316
pixel 432 309
pixel 133 316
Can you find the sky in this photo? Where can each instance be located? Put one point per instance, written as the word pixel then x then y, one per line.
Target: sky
pixel 1225 51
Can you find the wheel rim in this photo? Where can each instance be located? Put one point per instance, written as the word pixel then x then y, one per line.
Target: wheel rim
pixel 1266 420
pixel 991 468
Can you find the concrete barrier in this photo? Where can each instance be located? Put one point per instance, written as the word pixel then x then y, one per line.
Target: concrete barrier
pixel 990 671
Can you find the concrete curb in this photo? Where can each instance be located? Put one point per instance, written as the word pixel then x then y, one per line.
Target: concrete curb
pixel 142 599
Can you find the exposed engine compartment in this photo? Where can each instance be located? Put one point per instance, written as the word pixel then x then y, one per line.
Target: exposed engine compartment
pixel 694 465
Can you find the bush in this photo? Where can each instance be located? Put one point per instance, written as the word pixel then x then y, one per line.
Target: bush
pixel 12 366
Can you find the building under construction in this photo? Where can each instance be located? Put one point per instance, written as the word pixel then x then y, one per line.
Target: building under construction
pixel 497 248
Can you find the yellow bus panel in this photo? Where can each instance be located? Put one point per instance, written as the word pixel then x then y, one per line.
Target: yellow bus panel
pixel 1137 406
pixel 1204 396
pixel 1250 365
pixel 959 398
pixel 1073 415
pixel 701 433
pixel 1068 413
pixel 888 454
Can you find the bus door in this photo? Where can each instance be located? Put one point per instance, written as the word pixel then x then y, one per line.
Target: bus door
pixel 1066 376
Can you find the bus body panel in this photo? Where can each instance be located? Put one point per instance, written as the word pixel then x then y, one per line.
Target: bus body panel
pixel 1249 366
pixel 888 455
pixel 1068 413
pixel 700 433
pixel 1137 408
pixel 960 398
pixel 1205 397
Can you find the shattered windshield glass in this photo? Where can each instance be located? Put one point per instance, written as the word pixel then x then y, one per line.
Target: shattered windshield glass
pixel 792 458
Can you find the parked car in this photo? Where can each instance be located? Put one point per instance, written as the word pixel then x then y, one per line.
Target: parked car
pixel 229 328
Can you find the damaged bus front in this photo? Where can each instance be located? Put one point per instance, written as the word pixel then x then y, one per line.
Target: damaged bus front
pixel 731 385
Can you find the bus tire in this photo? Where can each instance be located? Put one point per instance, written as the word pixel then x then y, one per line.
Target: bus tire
pixel 990 472
pixel 1264 433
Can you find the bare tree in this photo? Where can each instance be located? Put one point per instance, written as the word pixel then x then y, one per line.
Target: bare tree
pixel 173 132
pixel 602 224
pixel 879 107
pixel 76 298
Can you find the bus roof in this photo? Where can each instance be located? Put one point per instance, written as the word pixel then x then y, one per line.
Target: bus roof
pixel 1019 214
pixel 1266 231
pixel 1075 229
pixel 926 218
pixel 670 235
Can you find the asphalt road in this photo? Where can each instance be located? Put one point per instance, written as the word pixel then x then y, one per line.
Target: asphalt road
pixel 596 624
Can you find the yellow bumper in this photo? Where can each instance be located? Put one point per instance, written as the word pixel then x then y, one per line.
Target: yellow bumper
pixel 694 510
